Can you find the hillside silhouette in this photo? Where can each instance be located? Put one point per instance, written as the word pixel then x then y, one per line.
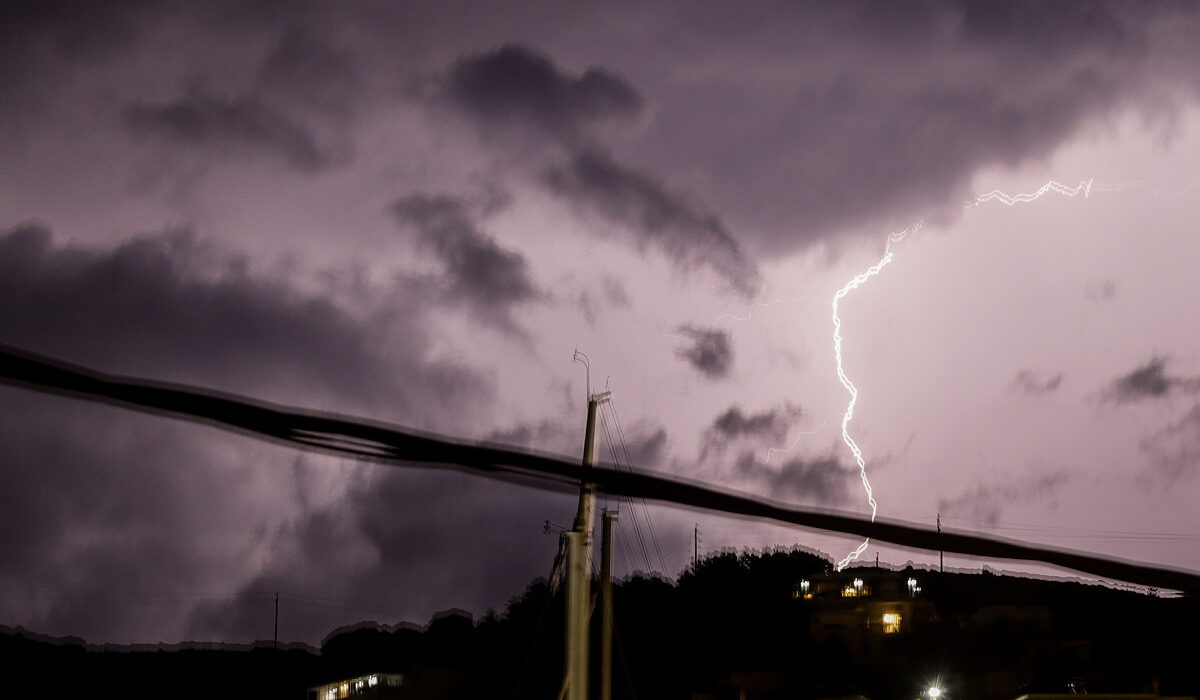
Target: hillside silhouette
pixel 777 624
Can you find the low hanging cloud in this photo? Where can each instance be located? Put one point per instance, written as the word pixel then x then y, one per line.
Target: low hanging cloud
pixel 515 85
pixel 125 519
pixel 654 216
pixel 1028 382
pixel 1148 382
pixel 733 425
pixel 490 279
pixel 646 449
pixel 822 481
pixel 710 351
pixel 392 566
pixel 171 306
pixel 238 127
pixel 1175 450
pixel 1101 290
pixel 986 502
pixel 303 67
pixel 180 508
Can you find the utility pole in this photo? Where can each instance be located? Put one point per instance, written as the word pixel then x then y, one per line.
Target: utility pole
pixel 275 643
pixel 941 554
pixel 579 578
pixel 606 598
pixel 695 548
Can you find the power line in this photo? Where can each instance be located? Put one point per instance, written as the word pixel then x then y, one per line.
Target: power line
pixel 645 509
pixel 357 437
pixel 637 530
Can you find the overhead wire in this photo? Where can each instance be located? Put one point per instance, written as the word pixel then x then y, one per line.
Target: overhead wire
pixel 633 516
pixel 645 509
pixel 392 444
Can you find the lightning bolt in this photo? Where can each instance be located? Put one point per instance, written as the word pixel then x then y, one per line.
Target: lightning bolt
pixel 1084 188
pixel 750 310
pixel 850 286
pixel 771 451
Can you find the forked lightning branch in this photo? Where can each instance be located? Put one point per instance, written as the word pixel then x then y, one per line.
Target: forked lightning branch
pixel 1085 188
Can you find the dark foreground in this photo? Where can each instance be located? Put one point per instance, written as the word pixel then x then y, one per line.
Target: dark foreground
pixel 777 625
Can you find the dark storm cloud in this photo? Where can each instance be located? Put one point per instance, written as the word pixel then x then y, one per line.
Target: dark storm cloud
pixel 471 543
pixel 654 215
pixel 171 307
pixel 1175 450
pixel 1150 381
pixel 710 352
pixel 1030 383
pixel 611 294
pixel 127 517
pixel 891 108
pixel 481 273
pixel 548 436
pixel 770 423
pixel 517 85
pixel 1101 290
pixel 78 28
pixel 119 515
pixel 304 66
pixel 1038 27
pixel 237 127
pixel 644 451
pixel 823 480
pixel 732 425
pixel 985 502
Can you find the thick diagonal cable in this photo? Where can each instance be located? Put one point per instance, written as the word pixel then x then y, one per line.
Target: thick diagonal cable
pixel 347 436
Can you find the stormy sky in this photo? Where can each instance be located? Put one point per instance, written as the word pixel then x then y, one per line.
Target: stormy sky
pixel 416 212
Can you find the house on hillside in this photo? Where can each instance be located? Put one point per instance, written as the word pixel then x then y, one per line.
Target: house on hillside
pixel 377 686
pixel 857 605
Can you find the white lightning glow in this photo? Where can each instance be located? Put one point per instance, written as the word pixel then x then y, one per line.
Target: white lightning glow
pixel 850 286
pixel 750 310
pixel 771 451
pixel 1085 188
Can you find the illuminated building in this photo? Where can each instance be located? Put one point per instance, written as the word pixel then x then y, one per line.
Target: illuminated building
pixel 376 685
pixel 861 604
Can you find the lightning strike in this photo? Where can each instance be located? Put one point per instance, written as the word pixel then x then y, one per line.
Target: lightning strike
pixel 771 451
pixel 850 286
pixel 750 311
pixel 1085 188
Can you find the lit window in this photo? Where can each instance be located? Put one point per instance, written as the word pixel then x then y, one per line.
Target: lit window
pixel 891 622
pixel 373 681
